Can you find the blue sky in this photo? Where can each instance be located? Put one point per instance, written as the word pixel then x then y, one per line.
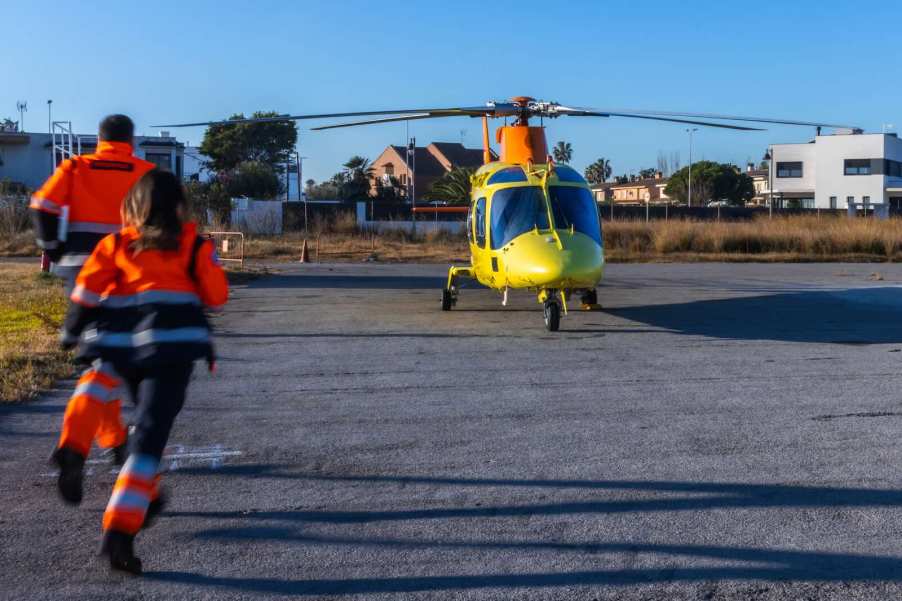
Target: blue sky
pixel 193 60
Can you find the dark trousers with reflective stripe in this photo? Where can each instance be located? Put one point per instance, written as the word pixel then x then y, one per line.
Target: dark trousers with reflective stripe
pixel 159 394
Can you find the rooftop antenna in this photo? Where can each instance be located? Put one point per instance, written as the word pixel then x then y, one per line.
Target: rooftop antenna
pixel 22 107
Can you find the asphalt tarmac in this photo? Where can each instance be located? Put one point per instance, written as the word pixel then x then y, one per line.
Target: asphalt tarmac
pixel 716 432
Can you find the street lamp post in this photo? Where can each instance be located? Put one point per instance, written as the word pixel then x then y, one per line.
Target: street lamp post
pixel 769 156
pixel 690 130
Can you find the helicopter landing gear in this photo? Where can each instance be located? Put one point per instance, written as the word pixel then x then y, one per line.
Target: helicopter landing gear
pixel 449 292
pixel 589 300
pixel 449 299
pixel 552 312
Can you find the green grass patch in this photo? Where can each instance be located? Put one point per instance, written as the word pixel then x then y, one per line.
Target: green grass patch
pixel 32 308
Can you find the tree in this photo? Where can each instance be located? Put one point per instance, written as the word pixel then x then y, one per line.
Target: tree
pixel 253 179
pixel 388 189
pixel 562 152
pixel 711 181
pixel 453 187
pixel 647 173
pixel 599 172
pixel 227 145
pixel 354 181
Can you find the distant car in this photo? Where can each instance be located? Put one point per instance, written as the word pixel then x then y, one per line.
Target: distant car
pixel 719 203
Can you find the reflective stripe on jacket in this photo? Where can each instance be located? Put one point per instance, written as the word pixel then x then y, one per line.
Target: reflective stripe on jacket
pixel 93 187
pixel 145 307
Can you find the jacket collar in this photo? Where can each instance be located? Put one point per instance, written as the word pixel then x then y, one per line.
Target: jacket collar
pixel 105 147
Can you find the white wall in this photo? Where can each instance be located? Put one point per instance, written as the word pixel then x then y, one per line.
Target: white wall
pixel 824 168
pixel 806 154
pixel 832 181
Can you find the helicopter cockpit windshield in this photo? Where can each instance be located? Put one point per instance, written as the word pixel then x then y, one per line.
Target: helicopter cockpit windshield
pixel 572 206
pixel 516 211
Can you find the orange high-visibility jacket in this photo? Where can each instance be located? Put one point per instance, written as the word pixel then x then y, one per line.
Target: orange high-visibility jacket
pixel 93 187
pixel 146 307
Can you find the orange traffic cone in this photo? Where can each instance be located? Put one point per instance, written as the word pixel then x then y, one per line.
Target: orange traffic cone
pixel 305 254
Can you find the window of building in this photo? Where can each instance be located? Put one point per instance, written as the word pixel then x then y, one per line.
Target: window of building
pixel 857 167
pixel 789 169
pixel 865 200
pixel 893 168
pixel 832 202
pixel 163 160
pixel 806 203
pixel 389 169
pixel 850 201
pixel 402 179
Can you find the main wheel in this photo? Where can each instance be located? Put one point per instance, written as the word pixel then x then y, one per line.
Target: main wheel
pixel 552 315
pixel 447 300
pixel 590 297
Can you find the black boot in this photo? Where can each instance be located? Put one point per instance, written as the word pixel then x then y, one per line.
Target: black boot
pixel 153 510
pixel 71 466
pixel 119 548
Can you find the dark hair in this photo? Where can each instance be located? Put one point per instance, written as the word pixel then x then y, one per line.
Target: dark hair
pixel 116 128
pixel 152 206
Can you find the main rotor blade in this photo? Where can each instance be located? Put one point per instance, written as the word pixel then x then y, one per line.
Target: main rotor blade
pixel 411 117
pixel 630 112
pixel 586 113
pixel 473 111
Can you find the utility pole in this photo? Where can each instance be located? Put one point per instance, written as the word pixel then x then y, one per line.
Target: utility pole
pixel 22 107
pixel 300 171
pixel 50 131
pixel 411 180
pixel 690 130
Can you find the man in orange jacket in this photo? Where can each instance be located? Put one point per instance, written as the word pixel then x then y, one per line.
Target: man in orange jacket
pixel 88 191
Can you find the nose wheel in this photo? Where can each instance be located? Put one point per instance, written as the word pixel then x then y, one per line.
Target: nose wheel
pixel 449 299
pixel 552 311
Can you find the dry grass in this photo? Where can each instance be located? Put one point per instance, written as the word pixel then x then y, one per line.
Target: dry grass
pixel 20 244
pixel 782 239
pixel 797 238
pixel 32 307
pixel 391 247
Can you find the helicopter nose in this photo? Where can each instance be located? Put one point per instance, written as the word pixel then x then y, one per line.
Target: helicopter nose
pixel 535 262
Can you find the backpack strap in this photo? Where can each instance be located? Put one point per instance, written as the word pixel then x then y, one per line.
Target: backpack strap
pixel 192 262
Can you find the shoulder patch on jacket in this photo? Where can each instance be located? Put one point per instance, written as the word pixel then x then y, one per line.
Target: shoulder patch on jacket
pixel 107 165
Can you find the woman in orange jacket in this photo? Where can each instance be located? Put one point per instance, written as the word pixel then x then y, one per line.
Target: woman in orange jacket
pixel 137 314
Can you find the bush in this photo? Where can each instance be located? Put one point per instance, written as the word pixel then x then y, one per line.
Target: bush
pixel 14 215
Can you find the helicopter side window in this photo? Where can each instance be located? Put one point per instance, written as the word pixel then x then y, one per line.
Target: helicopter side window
pixel 516 211
pixel 470 224
pixel 575 206
pixel 479 218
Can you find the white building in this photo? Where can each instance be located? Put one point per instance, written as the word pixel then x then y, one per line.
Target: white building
pixel 25 157
pixel 847 168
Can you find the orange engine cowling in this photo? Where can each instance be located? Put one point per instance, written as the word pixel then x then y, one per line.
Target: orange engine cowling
pixel 522 144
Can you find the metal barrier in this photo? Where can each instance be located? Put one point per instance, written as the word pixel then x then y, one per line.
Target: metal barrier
pixel 229 246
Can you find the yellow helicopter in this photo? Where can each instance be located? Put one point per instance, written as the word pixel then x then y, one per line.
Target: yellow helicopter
pixel 531 224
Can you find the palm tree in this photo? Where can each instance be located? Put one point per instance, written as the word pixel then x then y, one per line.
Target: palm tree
pixel 453 187
pixel 599 171
pixel 358 168
pixel 562 152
